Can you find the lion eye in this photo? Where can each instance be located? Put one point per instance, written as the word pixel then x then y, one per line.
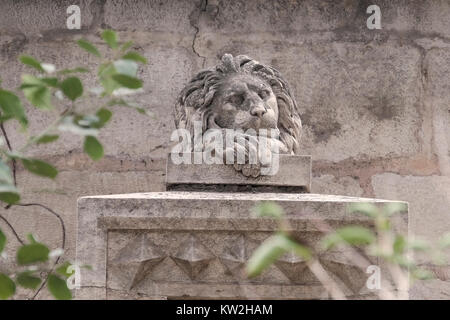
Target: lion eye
pixel 264 94
pixel 236 100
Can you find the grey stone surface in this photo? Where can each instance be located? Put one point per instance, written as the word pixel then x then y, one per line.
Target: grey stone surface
pixel 194 244
pixel 438 66
pixel 329 184
pixel 428 196
pixel 42 19
pixel 294 174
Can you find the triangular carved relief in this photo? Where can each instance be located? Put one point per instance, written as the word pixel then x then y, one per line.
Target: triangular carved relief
pixel 192 257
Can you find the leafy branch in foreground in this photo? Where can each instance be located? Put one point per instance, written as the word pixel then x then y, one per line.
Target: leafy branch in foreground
pixel 62 93
pixel 384 242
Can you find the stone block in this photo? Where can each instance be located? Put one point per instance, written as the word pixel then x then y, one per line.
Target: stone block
pixel 329 184
pixel 438 99
pixel 45 18
pixel 294 175
pixel 428 198
pixel 159 16
pixel 195 244
pixel 343 19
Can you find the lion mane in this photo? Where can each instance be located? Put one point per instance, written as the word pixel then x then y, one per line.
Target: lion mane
pixel 193 101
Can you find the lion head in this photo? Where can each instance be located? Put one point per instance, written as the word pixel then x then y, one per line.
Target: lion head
pixel 240 93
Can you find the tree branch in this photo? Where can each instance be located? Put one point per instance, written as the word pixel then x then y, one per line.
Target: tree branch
pixel 8 144
pixel 63 239
pixel 61 221
pixel 12 229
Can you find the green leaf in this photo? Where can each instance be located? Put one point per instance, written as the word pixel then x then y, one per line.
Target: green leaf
pixel 422 274
pixel 27 280
pixel 39 97
pixel 12 107
pixel 89 47
pixel 32 62
pixel 2 241
pixel 383 223
pixel 353 235
pixel 7 287
pixel 110 38
pixel 265 255
pixel 62 269
pixel 39 167
pixel 4 118
pixel 401 260
pixel 356 235
pixel 36 90
pixel 126 67
pixel 74 70
pixel 93 148
pixel 9 194
pixel 126 46
pixel 52 82
pixel 399 244
pixel 72 88
pixel 58 288
pixel 31 238
pixel 83 126
pixel 47 138
pixel 32 253
pixel 135 57
pixel 272 249
pixel 365 208
pixel 5 173
pixel 269 209
pixel 105 73
pixel 127 81
pixel 391 208
pixel 29 81
pixel 103 117
pixel 123 103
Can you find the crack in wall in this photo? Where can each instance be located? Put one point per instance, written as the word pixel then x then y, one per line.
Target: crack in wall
pixel 194 19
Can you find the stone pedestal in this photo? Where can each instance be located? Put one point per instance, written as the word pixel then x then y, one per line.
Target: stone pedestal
pixel 194 244
pixel 293 176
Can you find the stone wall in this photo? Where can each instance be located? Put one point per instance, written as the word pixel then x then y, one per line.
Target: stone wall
pixel 374 103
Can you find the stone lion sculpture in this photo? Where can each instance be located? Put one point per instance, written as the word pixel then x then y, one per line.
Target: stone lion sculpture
pixel 241 94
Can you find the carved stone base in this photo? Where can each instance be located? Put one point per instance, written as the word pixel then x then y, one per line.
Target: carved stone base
pixel 173 245
pixel 293 176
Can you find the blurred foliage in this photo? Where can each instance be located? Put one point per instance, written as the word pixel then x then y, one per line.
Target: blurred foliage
pixel 60 92
pixel 381 241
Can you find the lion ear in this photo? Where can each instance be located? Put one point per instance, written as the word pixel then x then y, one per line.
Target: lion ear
pixel 242 59
pixel 229 63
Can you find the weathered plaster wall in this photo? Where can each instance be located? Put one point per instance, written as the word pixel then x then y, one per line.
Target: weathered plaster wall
pixel 375 104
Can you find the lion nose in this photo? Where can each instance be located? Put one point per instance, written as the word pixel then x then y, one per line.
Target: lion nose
pixel 258 110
